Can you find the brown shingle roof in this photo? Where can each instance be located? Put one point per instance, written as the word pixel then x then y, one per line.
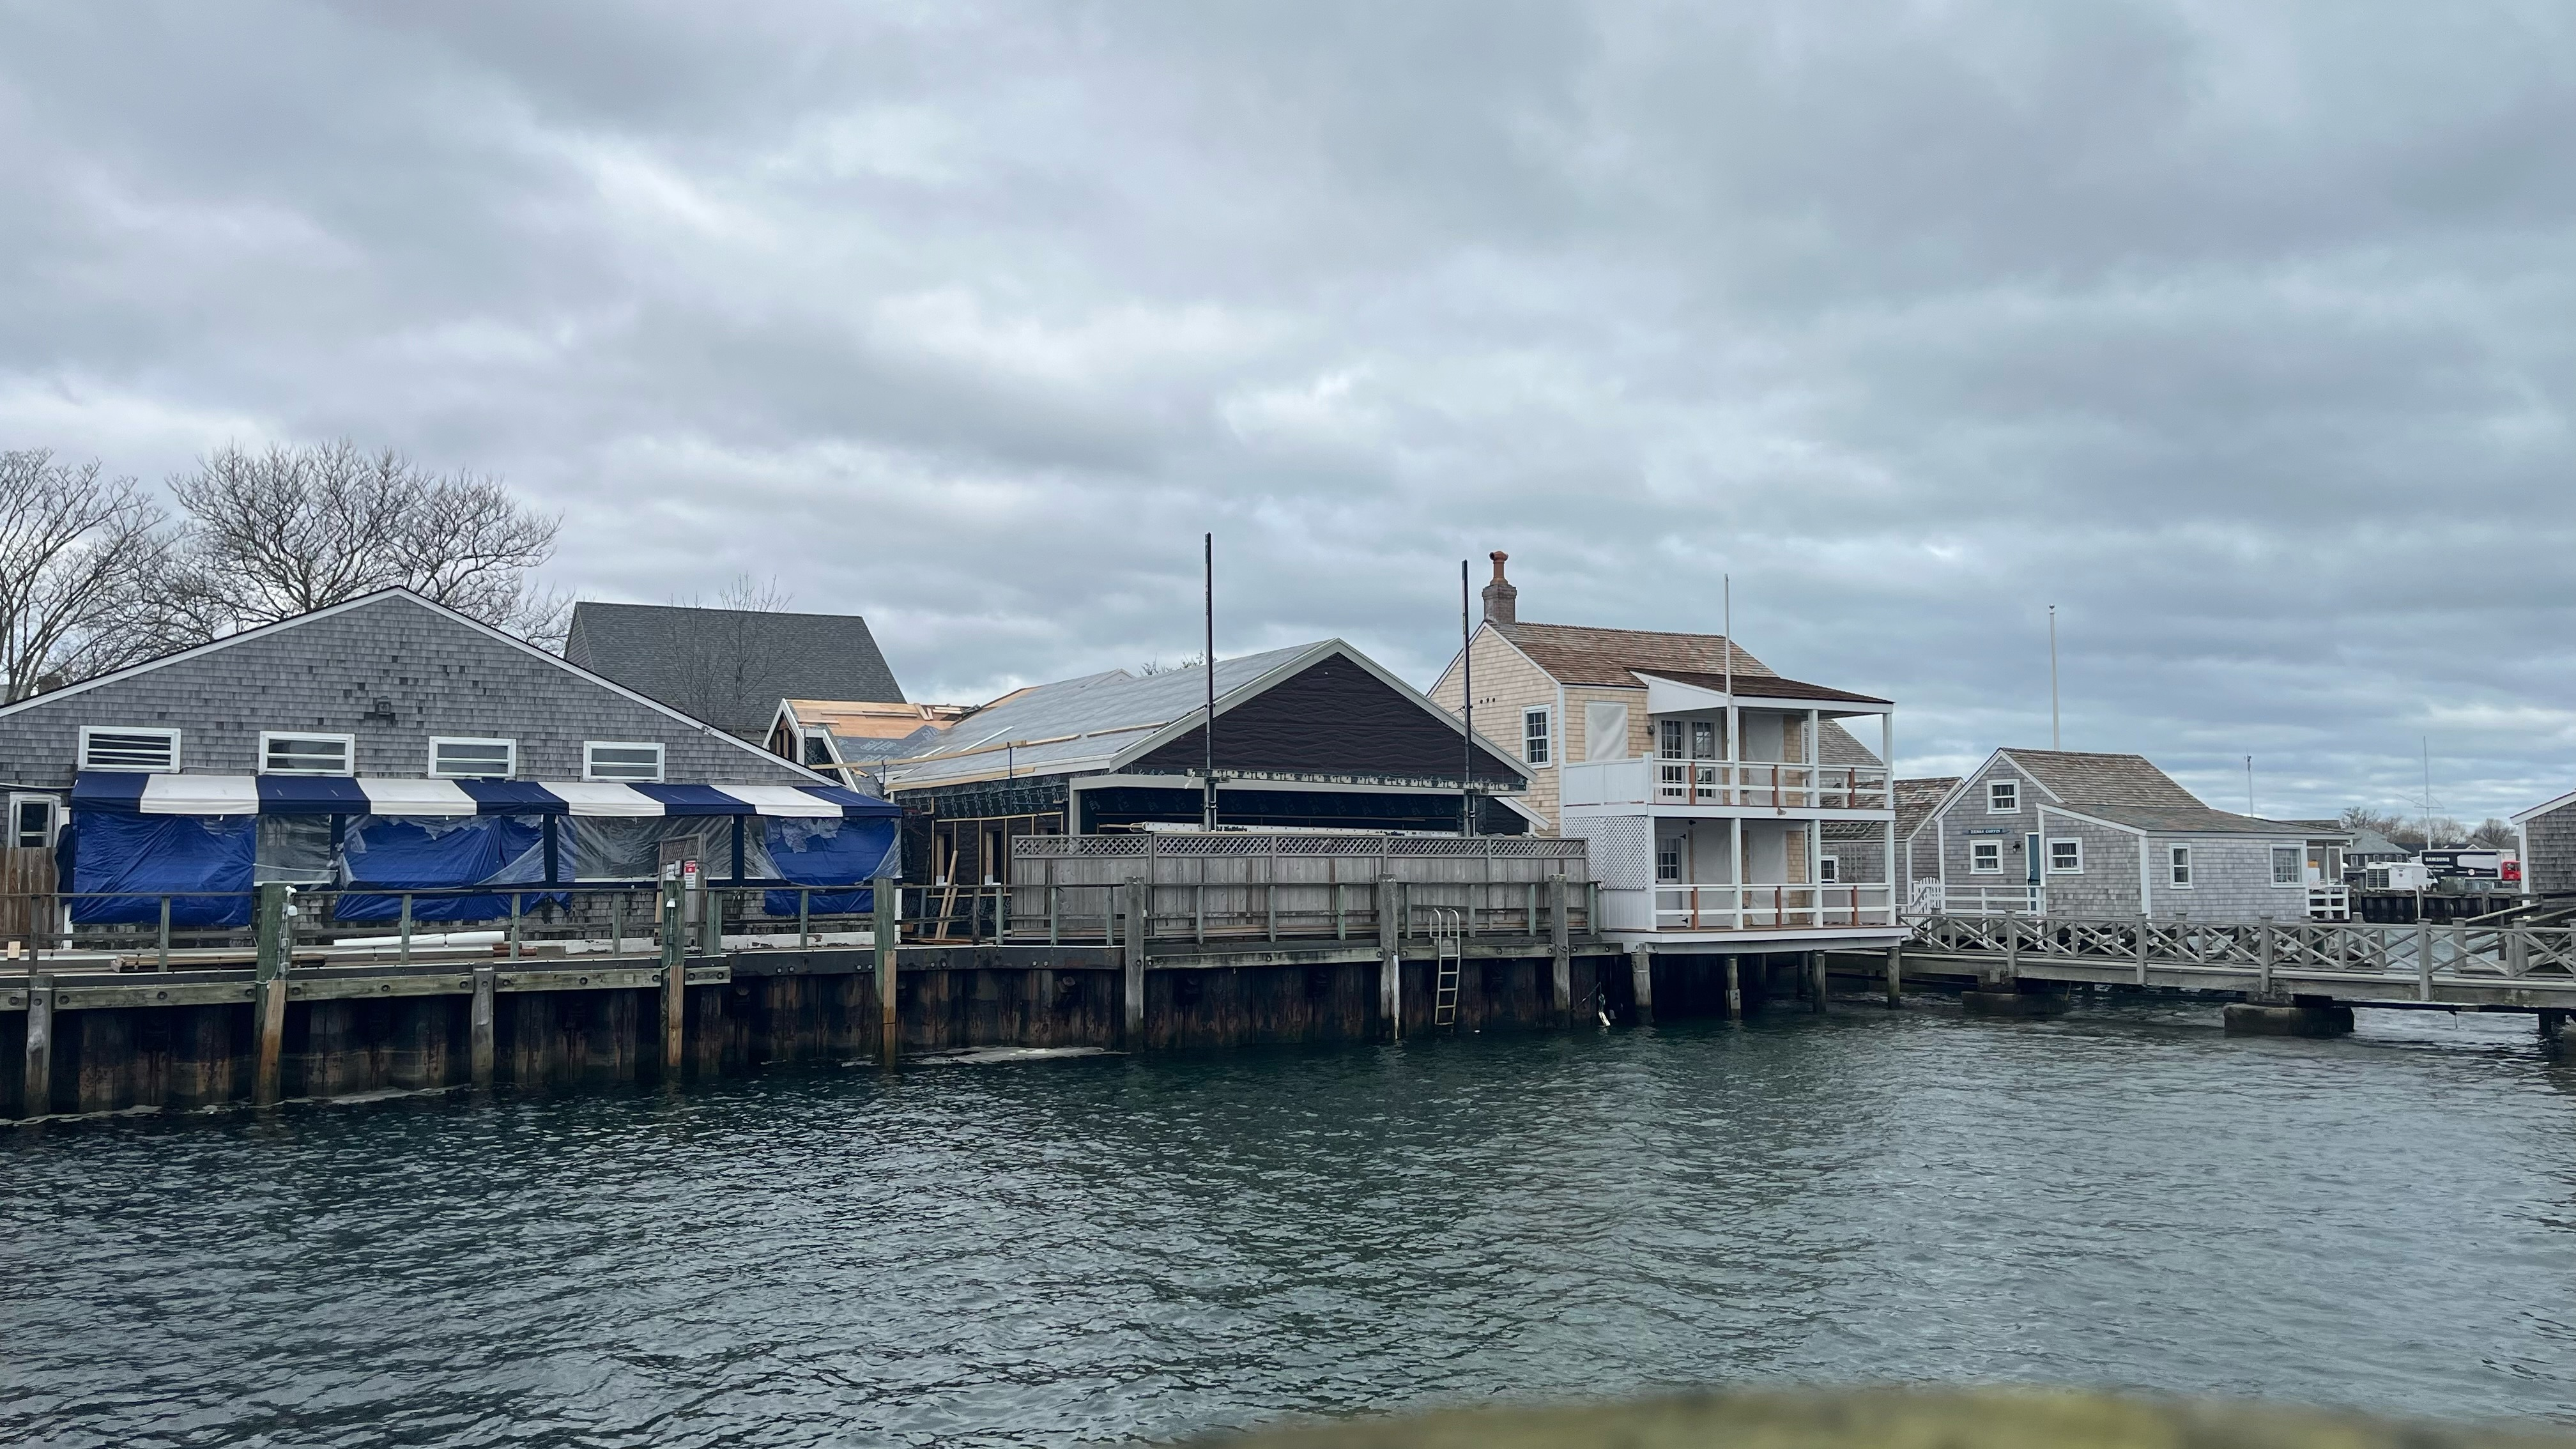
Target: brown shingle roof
pixel 2192 819
pixel 1579 654
pixel 2089 779
pixel 1917 799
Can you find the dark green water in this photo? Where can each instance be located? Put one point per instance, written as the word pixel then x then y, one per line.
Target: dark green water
pixel 1114 1247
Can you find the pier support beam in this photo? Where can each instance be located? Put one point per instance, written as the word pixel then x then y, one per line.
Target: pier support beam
pixel 2247 1018
pixel 1895 974
pixel 1140 897
pixel 1641 982
pixel 478 1026
pixel 268 1009
pixel 1390 959
pixel 1560 948
pixel 1734 989
pixel 1815 964
pixel 39 1098
pixel 885 933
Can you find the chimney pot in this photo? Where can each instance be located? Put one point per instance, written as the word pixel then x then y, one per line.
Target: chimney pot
pixel 1501 599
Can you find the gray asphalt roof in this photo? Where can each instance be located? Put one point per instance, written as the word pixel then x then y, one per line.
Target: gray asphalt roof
pixel 1076 722
pixel 2192 819
pixel 730 667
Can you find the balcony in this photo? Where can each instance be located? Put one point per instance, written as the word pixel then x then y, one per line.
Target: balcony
pixel 1756 907
pixel 1768 785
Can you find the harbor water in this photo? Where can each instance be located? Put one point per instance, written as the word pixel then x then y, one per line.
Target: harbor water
pixel 1110 1248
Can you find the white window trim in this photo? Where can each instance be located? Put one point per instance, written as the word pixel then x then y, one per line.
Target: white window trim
pixel 1829 870
pixel 2053 867
pixel 510 770
pixel 53 818
pixel 2183 863
pixel 1997 868
pixel 1547 725
pixel 2014 786
pixel 2298 868
pixel 348 752
pixel 171 734
pixel 661 760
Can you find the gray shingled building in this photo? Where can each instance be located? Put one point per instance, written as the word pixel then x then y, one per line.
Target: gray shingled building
pixel 730 667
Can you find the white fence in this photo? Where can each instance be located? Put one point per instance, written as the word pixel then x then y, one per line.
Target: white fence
pixel 1771 907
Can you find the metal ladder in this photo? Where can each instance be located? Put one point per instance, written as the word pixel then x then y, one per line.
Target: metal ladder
pixel 1447 930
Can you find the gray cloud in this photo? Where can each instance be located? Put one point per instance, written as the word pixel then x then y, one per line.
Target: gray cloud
pixel 2242 335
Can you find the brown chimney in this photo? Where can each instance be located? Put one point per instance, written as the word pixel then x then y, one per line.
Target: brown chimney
pixel 1501 599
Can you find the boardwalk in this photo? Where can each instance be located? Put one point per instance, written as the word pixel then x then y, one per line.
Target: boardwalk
pixel 2520 968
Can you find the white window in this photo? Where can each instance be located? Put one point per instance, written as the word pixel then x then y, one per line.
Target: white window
pixel 288 754
pixel 468 759
pixel 2003 797
pixel 1829 869
pixel 2178 866
pixel 627 763
pixel 31 821
pixel 1668 739
pixel 2289 866
pixel 2066 857
pixel 116 747
pixel 1985 857
pixel 1703 739
pixel 818 747
pixel 1668 861
pixel 1534 736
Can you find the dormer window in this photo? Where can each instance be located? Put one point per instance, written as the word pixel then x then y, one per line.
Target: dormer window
pixel 2003 797
pixel 122 747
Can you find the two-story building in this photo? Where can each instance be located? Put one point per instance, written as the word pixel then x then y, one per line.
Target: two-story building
pixel 1729 809
pixel 2097 836
pixel 391 744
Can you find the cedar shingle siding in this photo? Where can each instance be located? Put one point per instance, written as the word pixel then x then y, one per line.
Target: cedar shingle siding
pixel 440 676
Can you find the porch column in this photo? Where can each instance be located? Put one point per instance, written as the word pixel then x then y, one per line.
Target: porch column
pixel 1735 855
pixel 1887 757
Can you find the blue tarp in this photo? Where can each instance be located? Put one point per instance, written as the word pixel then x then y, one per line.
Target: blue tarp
pixel 828 852
pixel 151 794
pixel 155 854
pixel 385 853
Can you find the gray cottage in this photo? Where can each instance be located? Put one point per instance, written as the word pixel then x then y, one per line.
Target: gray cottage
pixel 2548 846
pixel 2111 836
pixel 387 740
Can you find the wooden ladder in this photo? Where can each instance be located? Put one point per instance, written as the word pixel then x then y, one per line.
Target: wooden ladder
pixel 1446 954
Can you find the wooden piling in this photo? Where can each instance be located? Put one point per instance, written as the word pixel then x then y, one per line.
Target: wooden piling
pixel 1140 899
pixel 269 1002
pixel 885 931
pixel 39 1098
pixel 1560 947
pixel 1390 960
pixel 487 985
pixel 675 1014
pixel 1816 982
pixel 1734 990
pixel 1641 981
pixel 1895 974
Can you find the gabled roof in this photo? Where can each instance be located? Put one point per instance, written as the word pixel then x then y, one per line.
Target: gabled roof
pixel 730 666
pixel 2191 819
pixel 1917 799
pixel 380 596
pixel 1101 722
pixel 1580 654
pixel 2073 778
pixel 2521 817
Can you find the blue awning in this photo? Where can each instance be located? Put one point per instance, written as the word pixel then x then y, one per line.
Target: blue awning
pixel 131 793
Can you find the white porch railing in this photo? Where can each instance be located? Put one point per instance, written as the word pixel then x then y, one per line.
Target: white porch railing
pixel 1771 907
pixel 1932 898
pixel 1764 784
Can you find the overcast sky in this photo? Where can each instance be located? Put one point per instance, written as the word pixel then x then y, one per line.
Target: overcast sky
pixel 2242 333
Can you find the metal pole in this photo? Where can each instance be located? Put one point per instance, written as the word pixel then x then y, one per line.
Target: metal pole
pixel 1208 735
pixel 1467 712
pixel 165 934
pixel 406 928
pixel 2056 740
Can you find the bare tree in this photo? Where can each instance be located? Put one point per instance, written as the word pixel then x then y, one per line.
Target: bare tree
pixel 80 555
pixel 285 531
pixel 2494 834
pixel 717 662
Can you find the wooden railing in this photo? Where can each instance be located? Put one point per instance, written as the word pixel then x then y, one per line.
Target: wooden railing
pixel 1240 912
pixel 2419 954
pixel 1753 907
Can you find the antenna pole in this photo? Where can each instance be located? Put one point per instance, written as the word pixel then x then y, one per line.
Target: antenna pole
pixel 2249 784
pixel 1207 810
pixel 2056 739
pixel 1467 713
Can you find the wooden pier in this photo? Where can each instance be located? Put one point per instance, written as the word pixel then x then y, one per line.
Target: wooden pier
pixel 296 1011
pixel 2460 966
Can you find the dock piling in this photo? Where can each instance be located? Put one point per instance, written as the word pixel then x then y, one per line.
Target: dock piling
pixel 1815 964
pixel 1641 981
pixel 269 986
pixel 479 1049
pixel 1390 959
pixel 1734 989
pixel 39 1098
pixel 1560 946
pixel 1139 903
pixel 886 934
pixel 1895 974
